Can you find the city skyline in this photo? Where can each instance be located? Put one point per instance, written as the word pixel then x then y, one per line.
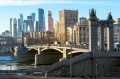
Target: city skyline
pixel 13 9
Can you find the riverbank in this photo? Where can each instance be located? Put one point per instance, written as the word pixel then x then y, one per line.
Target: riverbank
pixel 30 77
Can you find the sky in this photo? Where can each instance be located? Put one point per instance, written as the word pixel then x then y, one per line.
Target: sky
pixel 12 9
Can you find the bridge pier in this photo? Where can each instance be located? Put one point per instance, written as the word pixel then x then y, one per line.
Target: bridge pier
pixel 39 50
pixel 65 53
pixel 37 56
pixel 21 53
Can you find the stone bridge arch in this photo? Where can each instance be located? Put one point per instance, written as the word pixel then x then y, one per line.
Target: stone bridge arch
pixel 42 50
pixel 48 55
pixel 32 49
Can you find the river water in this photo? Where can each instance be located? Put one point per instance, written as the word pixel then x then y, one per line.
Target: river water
pixel 9 63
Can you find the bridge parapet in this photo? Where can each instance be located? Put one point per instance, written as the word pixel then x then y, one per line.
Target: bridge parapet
pixel 60 45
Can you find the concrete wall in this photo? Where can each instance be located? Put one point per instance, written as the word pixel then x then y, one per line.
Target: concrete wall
pixel 99 64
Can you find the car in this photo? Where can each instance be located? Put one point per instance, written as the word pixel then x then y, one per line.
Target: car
pixel 78 44
pixel 118 45
pixel 84 43
pixel 57 42
pixel 68 43
pixel 74 43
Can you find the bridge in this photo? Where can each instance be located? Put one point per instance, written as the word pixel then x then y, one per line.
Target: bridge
pixel 49 54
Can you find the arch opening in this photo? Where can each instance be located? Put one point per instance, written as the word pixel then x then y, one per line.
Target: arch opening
pixel 51 55
pixel 31 54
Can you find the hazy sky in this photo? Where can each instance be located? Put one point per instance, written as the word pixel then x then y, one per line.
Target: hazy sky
pixel 12 8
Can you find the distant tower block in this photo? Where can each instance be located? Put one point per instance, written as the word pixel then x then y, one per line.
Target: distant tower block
pixel 50 22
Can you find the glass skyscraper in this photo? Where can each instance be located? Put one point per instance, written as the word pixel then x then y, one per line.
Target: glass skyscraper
pixel 10 25
pixel 33 17
pixel 50 22
pixel 14 28
pixel 41 19
pixel 36 26
pixel 20 20
pixel 27 26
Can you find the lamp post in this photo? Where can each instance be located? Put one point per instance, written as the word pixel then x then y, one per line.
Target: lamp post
pixel 96 68
pixel 71 54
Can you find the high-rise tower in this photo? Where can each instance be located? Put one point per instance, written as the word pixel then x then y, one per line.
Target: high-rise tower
pixel 10 24
pixel 33 17
pixel 36 26
pixel 14 28
pixel 50 22
pixel 20 20
pixel 41 19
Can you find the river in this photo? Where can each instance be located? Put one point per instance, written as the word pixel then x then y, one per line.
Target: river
pixel 9 63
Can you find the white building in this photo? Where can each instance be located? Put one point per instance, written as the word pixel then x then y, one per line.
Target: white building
pixel 14 28
pixel 10 24
pixel 6 33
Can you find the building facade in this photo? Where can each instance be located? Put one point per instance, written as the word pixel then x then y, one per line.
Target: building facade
pixel 6 33
pixel 67 18
pixel 41 19
pixel 10 24
pixel 117 30
pixel 50 22
pixel 57 31
pixel 36 26
pixel 81 31
pixel 14 28
pixel 20 20
pixel 38 38
pixel 33 17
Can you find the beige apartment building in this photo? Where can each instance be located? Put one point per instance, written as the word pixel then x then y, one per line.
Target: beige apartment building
pixel 67 18
pixel 38 38
pixel 57 31
pixel 117 30
pixel 80 31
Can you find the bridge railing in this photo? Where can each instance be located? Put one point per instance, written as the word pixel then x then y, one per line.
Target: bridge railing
pixel 64 45
pixel 69 45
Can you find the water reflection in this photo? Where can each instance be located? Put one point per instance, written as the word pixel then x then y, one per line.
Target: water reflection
pixel 9 63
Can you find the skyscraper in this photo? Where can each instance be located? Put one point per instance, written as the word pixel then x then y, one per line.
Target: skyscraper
pixel 27 26
pixel 24 26
pixel 10 24
pixel 20 20
pixel 30 27
pixel 50 22
pixel 41 19
pixel 29 17
pixel 44 29
pixel 14 27
pixel 33 17
pixel 36 26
